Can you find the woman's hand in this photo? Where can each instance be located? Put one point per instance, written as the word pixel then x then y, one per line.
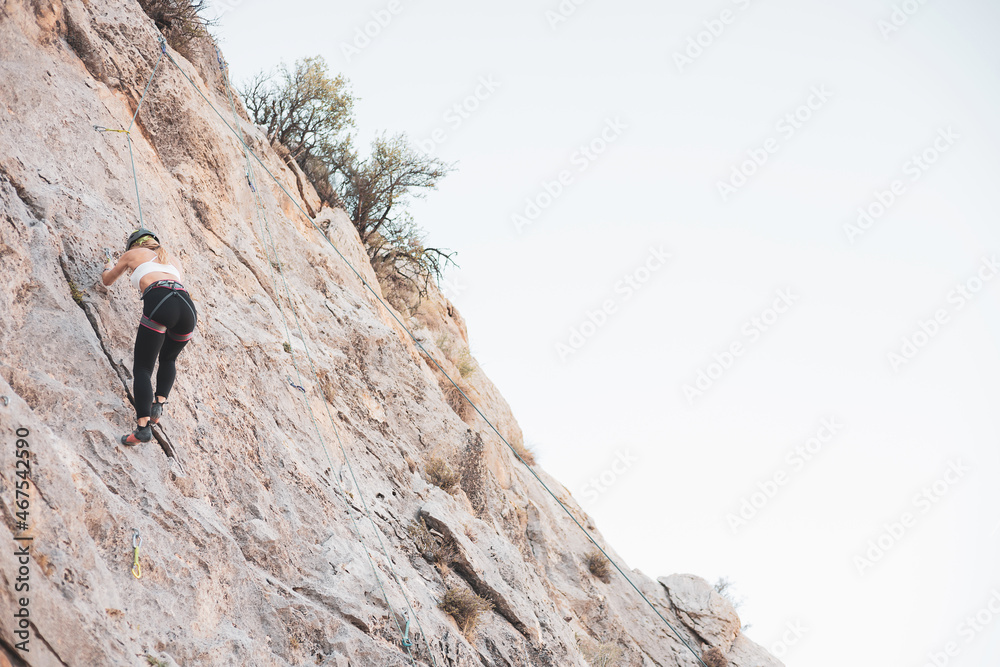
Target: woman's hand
pixel 111 270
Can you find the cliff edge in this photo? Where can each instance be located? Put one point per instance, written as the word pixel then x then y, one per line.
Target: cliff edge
pixel 284 510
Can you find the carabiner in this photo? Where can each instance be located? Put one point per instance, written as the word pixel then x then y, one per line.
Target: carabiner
pixel 406 633
pixel 136 543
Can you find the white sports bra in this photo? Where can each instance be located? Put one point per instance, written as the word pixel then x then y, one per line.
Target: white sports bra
pixel 152 266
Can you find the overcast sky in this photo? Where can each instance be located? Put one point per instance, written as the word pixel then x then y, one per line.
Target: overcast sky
pixel 735 266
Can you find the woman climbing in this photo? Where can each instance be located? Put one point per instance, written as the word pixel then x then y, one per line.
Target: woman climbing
pixel 168 320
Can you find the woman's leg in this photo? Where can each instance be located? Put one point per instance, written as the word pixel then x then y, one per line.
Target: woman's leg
pixel 167 370
pixel 147 347
pixel 183 320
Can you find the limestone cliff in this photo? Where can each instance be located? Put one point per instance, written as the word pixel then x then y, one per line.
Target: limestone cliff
pixel 256 545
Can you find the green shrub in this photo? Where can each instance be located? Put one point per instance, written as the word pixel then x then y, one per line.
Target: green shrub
pixel 75 292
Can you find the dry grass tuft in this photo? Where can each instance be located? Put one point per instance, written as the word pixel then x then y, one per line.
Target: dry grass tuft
pixel 598 565
pixel 457 402
pixel 422 538
pixel 517 442
pixel 465 363
pixel 327 386
pixel 713 657
pixel 460 356
pixel 439 473
pixel 599 654
pixel 465 607
pixel 440 551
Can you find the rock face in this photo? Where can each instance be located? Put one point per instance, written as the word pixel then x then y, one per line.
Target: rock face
pixel 278 526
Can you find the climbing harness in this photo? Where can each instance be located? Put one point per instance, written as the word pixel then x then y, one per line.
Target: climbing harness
pixel 174 287
pixel 249 152
pixel 136 543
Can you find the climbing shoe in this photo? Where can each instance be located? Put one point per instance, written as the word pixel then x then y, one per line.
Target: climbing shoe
pixel 139 435
pixel 155 412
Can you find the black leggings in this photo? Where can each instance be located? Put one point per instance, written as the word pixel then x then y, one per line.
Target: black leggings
pixel 162 334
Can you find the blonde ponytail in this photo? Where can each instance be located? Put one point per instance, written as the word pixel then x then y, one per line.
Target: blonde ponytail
pixel 149 243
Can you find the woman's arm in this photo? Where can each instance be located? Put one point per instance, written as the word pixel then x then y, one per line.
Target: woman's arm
pixel 111 274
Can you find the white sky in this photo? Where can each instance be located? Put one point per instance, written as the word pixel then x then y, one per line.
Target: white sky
pixel 655 186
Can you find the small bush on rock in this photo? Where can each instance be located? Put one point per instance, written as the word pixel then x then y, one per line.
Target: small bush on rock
pixel 180 21
pixel 517 442
pixel 456 401
pixel 598 654
pixel 440 551
pixel 598 565
pixel 713 657
pixel 466 364
pixel 465 607
pixel 74 291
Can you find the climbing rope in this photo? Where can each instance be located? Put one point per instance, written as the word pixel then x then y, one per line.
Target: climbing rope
pixel 128 131
pixel 419 344
pixel 273 250
pixel 136 543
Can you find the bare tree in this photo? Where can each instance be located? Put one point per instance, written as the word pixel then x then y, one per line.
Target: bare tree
pixel 375 190
pixel 302 108
pixel 180 21
pixel 310 113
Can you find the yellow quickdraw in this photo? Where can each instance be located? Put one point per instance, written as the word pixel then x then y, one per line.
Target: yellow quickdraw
pixel 136 543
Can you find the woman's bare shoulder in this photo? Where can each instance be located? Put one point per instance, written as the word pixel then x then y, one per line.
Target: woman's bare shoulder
pixel 136 256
